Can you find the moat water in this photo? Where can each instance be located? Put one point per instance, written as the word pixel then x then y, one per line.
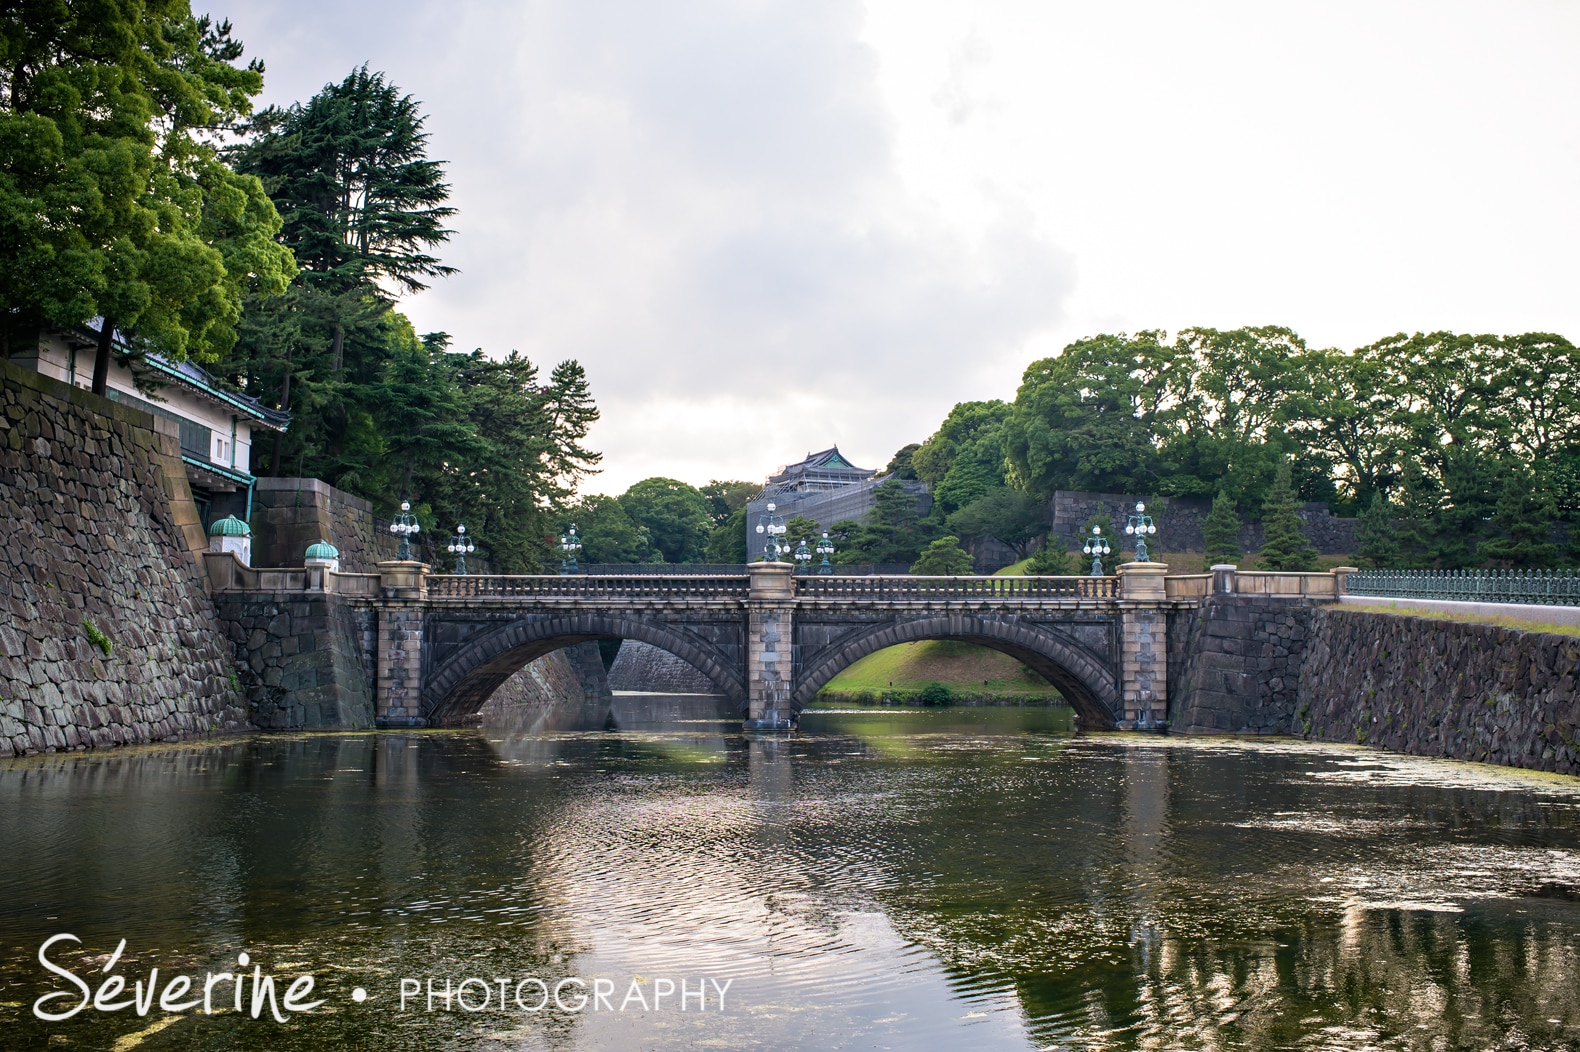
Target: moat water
pixel 897 878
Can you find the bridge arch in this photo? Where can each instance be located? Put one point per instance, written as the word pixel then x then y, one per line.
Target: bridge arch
pixel 459 687
pixel 1084 678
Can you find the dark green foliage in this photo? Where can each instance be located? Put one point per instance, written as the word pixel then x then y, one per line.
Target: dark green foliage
pixel 964 460
pixel 727 542
pixel 1220 532
pixel 943 558
pixel 893 532
pixel 1052 560
pixel 1005 515
pixel 900 465
pixel 674 514
pixel 607 532
pixel 113 200
pixel 935 694
pixel 1284 544
pixel 727 497
pixel 1378 542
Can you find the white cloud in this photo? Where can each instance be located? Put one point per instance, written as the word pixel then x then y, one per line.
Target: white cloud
pixel 765 227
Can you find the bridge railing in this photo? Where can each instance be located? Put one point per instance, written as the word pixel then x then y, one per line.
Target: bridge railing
pixel 957 587
pixel 1547 587
pixel 1276 582
pixel 633 586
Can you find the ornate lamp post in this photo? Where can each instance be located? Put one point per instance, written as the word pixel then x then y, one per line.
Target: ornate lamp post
pixel 803 555
pixel 570 544
pixel 770 527
pixel 1139 526
pixel 1096 546
pixel 825 548
pixel 405 527
pixel 460 547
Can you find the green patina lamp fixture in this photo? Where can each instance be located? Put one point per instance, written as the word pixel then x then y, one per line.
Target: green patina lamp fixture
pixel 405 527
pixel 825 548
pixel 461 546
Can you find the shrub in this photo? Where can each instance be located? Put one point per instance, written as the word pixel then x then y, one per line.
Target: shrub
pixel 936 694
pixel 97 638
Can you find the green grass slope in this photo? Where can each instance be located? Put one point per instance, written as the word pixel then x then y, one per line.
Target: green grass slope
pixel 966 669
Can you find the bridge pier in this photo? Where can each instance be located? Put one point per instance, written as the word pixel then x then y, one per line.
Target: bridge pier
pixel 1143 645
pixel 770 635
pixel 403 601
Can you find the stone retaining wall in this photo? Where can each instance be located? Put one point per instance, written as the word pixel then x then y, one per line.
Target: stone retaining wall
pixel 564 690
pixel 99 527
pixel 304 660
pixel 1235 664
pixel 1442 688
pixel 642 666
pixel 289 514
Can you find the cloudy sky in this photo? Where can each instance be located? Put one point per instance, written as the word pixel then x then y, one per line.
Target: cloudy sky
pixel 768 227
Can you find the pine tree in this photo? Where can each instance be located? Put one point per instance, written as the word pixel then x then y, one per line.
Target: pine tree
pixel 943 557
pixel 1284 544
pixel 1050 560
pixel 1378 547
pixel 1220 532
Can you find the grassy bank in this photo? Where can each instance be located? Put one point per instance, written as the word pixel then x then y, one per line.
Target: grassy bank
pixel 938 671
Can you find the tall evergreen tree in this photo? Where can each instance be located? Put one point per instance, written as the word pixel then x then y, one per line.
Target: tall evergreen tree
pixel 363 209
pixel 1284 544
pixel 1377 541
pixel 1220 532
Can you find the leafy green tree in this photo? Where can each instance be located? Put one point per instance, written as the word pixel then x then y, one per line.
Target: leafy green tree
pixel 943 557
pixel 964 458
pixel 608 534
pixel 1220 532
pixel 113 201
pixel 674 514
pixel 363 209
pixel 800 529
pixel 900 465
pixel 1284 544
pixel 727 542
pixel 1004 514
pixel 726 497
pixel 1089 418
pixel 1522 525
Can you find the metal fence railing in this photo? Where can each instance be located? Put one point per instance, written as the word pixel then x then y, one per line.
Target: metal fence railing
pixel 1550 587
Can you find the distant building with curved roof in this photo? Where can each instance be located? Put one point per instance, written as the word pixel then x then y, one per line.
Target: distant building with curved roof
pixel 824 487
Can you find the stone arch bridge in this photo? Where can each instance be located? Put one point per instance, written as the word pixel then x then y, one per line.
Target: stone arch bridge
pixel 438 645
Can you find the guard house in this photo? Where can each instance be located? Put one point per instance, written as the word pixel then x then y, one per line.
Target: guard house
pixel 217 426
pixel 824 487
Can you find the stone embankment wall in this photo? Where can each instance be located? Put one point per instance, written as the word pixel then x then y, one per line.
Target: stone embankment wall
pixel 1179 521
pixel 642 666
pixel 290 514
pixel 305 660
pixel 1442 688
pixel 1235 663
pixel 100 528
pixel 1415 685
pixel 565 690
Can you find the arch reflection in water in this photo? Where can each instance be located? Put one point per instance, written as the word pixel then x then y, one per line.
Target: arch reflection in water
pixel 927 878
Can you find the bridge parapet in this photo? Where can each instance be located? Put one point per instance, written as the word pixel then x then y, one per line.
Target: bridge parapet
pixel 635 586
pixel 929 588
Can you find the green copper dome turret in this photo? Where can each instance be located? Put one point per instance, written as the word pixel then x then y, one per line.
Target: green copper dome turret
pixel 229 526
pixel 323 550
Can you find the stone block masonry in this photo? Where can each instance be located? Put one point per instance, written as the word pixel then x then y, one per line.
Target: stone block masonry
pixel 1237 662
pixel 302 658
pixel 99 527
pixel 1442 688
